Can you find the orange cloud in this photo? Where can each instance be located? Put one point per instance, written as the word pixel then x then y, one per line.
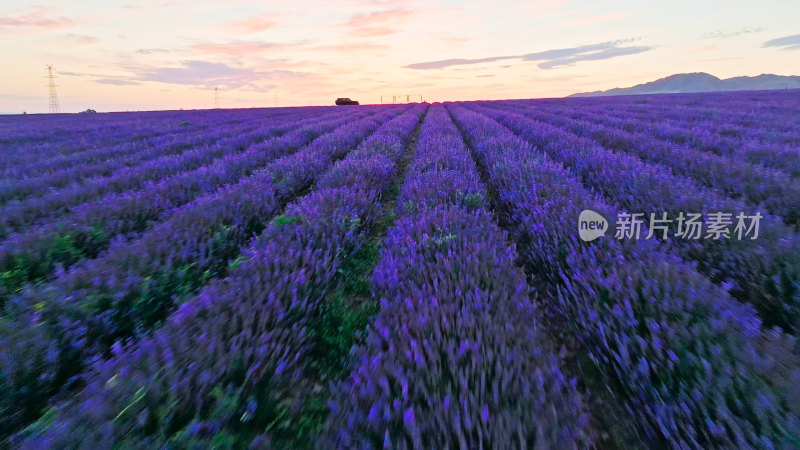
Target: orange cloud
pixel 373 32
pixel 254 24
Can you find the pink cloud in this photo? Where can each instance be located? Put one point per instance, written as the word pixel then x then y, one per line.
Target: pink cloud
pixel 164 5
pixel 551 4
pixel 235 48
pixel 452 39
pixel 82 39
pixel 597 19
pixel 358 46
pixel 208 74
pixel 375 24
pixel 38 18
pixel 380 17
pixel 373 32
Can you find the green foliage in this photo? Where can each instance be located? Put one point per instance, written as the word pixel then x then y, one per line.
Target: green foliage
pixel 352 223
pixel 335 328
pixel 64 249
pixel 41 424
pixel 12 279
pixel 236 263
pixel 345 311
pixel 474 202
pixel 338 325
pixel 285 220
pixel 160 292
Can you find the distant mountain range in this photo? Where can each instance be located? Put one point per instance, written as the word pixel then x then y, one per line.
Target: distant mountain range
pixel 702 82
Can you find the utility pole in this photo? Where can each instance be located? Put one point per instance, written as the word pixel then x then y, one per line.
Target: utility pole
pixel 54 107
pixel 216 97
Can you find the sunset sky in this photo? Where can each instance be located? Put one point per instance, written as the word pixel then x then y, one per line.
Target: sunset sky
pixel 113 56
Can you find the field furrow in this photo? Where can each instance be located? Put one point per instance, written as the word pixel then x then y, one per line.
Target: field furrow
pixel 455 356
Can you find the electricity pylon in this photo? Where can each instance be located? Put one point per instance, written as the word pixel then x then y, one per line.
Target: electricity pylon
pixel 54 107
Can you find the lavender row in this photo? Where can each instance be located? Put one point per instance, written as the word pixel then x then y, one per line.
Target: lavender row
pixel 65 143
pixel 49 156
pixel 233 359
pixel 764 272
pixel 50 203
pixel 688 363
pixel 110 160
pixel 28 128
pixel 80 142
pixel 772 111
pixel 723 125
pixel 14 216
pixel 782 156
pixel 89 228
pixel 17 190
pixel 726 121
pixel 770 189
pixel 133 287
pixel 63 138
pixel 455 357
pixel 167 139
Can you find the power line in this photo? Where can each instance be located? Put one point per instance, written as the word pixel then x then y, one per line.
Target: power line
pixel 54 107
pixel 399 98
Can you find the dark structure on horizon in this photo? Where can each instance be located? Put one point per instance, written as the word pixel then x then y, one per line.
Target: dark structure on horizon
pixel 345 101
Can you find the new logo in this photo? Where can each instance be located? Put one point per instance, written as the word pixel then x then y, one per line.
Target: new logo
pixel 591 225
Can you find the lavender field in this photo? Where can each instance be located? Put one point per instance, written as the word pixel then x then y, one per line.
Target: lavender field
pixel 404 276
